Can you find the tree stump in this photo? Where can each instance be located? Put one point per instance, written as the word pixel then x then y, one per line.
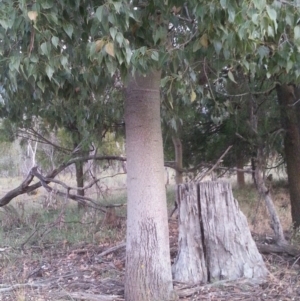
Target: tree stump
pixel 215 242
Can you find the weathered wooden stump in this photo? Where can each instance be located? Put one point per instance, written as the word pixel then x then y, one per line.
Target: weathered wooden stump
pixel 215 242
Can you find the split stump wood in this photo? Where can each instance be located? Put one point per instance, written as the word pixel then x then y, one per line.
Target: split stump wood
pixel 214 241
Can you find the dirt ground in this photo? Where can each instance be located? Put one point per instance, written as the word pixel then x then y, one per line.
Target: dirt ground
pixel 89 272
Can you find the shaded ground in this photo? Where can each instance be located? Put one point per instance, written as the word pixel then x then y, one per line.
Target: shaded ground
pixel 84 272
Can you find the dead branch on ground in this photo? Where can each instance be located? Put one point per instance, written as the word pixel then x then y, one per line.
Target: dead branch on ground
pixel 288 249
pixel 112 249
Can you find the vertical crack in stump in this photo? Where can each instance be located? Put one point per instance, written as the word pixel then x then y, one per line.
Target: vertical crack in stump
pixel 202 232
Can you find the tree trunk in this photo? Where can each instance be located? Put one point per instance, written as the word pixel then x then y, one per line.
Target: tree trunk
pixel 240 165
pixel 79 171
pixel 290 122
pixel 148 268
pixel 215 242
pixel 80 181
pixel 178 159
pixel 266 194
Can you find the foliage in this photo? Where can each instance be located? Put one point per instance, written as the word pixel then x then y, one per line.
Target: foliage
pixel 64 51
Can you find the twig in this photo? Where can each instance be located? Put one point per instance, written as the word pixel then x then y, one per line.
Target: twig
pixel 207 79
pixel 90 297
pixel 291 105
pixel 111 250
pixel 216 164
pixel 81 188
pixel 75 197
pixel 20 285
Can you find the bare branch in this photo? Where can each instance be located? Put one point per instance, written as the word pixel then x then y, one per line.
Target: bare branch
pixel 25 188
pixel 39 138
pixel 75 197
pixel 21 189
pixel 91 184
pixel 216 164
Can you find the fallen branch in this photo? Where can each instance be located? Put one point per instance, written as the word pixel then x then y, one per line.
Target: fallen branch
pixel 113 249
pixel 86 296
pixel 20 285
pixel 288 249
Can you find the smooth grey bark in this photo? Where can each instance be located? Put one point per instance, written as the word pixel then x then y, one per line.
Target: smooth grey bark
pixel 148 268
pixel 178 159
pixel 215 242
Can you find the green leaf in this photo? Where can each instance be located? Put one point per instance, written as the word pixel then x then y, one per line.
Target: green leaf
pixel 128 55
pixel 289 19
pixel 218 46
pixel 289 65
pixel 68 28
pixel 14 63
pixel 49 71
pixel 4 24
pixel 255 19
pixel 231 14
pixel 99 13
pixel 223 3
pixel 111 67
pixel 117 6
pixel 173 123
pixel 52 17
pixel 271 31
pixel 46 4
pixel 155 56
pixel 160 35
pixel 113 31
pixel 41 85
pixel 45 47
pixel 259 4
pixel 297 32
pixel 204 40
pixel 245 63
pixel 34 58
pixel 55 41
pixel 119 38
pixel 263 52
pixel 64 60
pixel 231 77
pixel 164 81
pixel 273 15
